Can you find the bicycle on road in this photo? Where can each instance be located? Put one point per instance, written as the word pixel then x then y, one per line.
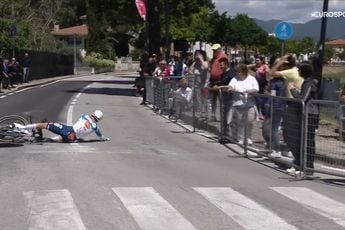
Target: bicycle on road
pixel 10 135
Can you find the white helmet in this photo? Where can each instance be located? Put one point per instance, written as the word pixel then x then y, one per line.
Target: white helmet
pixel 98 114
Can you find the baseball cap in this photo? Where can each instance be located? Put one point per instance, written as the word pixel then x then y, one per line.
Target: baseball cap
pixel 216 46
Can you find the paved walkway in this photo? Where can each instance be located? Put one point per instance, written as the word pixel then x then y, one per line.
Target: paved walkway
pixel 37 82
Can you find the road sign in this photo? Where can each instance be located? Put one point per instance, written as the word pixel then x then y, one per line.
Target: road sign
pixel 283 30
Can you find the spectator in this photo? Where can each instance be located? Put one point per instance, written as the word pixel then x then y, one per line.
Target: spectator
pixel 163 70
pixel 181 98
pixel 241 85
pixel 26 67
pixel 200 69
pixel 290 72
pixel 228 74
pixel 309 91
pixel 291 117
pixel 140 81
pixel 151 65
pixel 276 87
pixel 14 69
pixel 261 70
pixel 8 80
pixel 148 70
pixel 271 125
pixel 342 107
pixel 215 76
pixel 177 65
pixel 1 73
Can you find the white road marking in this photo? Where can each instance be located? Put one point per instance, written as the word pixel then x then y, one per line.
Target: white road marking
pixel 22 90
pixel 70 109
pixel 70 115
pixel 246 212
pixel 332 168
pixel 316 202
pixel 44 85
pixel 3 96
pixel 150 210
pixel 52 209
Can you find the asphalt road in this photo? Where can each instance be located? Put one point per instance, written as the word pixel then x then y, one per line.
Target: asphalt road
pixel 151 175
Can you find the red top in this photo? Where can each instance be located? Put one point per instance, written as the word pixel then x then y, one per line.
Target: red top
pixel 216 72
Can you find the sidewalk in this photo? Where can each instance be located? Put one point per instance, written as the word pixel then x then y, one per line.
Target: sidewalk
pixel 37 82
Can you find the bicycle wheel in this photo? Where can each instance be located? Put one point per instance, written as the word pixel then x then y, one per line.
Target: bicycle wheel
pixel 5 134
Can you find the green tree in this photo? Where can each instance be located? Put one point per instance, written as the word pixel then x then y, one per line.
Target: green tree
pixel 220 28
pixel 188 18
pixel 328 54
pixel 306 45
pixel 35 20
pixel 247 33
pixel 291 46
pixel 273 46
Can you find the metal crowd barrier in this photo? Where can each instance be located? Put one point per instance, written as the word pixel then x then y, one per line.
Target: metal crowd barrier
pixel 328 149
pixel 263 124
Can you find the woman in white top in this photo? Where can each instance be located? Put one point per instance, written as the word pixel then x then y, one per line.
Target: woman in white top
pixel 242 85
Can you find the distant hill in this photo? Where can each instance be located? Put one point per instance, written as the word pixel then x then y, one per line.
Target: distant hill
pixel 335 28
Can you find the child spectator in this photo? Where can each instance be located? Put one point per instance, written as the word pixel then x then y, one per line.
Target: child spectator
pixel 181 98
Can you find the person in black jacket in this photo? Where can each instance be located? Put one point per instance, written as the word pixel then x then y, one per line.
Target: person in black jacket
pixel 342 111
pixel 229 72
pixel 309 91
pixel 1 72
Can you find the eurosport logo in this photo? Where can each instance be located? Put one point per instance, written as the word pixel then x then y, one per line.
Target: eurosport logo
pixel 328 14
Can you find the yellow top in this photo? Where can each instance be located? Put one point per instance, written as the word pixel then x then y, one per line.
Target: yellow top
pixel 292 76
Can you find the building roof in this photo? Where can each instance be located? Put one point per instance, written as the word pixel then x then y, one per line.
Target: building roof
pixel 336 42
pixel 80 31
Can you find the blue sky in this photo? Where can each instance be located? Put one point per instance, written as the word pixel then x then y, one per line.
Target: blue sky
pixel 287 10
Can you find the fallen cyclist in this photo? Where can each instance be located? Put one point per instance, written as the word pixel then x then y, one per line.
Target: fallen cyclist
pixel 85 125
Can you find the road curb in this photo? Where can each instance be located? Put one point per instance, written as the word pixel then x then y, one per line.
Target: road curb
pixel 35 83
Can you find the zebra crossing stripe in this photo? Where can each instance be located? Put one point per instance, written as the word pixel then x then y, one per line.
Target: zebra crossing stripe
pixel 316 202
pixel 246 212
pixel 150 210
pixel 52 209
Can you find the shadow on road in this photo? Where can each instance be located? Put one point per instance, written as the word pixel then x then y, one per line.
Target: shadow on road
pixel 118 82
pixel 107 91
pixel 10 145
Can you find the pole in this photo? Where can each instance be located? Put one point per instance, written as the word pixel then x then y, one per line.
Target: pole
pixel 13 30
pixel 282 48
pixel 13 45
pixel 147 25
pixel 321 47
pixel 167 30
pixel 75 54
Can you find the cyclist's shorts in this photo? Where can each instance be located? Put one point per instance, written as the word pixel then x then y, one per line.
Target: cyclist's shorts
pixel 63 130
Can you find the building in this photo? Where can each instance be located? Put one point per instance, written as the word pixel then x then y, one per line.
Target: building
pixel 338 45
pixel 77 34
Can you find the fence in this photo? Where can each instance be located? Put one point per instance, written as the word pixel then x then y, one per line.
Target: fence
pixel 47 64
pixel 282 129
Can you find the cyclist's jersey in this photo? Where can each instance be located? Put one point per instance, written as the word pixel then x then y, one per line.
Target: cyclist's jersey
pixel 84 126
